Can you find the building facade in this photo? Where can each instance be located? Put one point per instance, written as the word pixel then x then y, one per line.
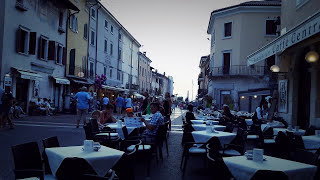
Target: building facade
pixel 170 85
pixel 144 73
pixel 203 79
pixel 35 46
pixel 297 65
pixel 235 32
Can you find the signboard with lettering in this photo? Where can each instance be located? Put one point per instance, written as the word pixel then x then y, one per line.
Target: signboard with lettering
pixel 301 32
pixel 7 81
pixel 133 122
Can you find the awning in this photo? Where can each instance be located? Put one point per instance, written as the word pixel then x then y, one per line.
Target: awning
pixel 29 75
pixel 113 88
pixel 61 80
pixel 81 82
pixel 304 30
pixel 257 93
pixel 138 95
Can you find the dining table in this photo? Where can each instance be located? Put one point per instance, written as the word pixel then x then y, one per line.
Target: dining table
pixel 299 132
pixel 273 124
pixel 101 161
pixel 311 142
pixel 243 169
pixel 119 129
pixel 203 122
pixel 202 127
pixel 205 136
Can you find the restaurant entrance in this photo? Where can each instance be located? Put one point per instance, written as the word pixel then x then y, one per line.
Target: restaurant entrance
pixel 22 92
pixel 304 87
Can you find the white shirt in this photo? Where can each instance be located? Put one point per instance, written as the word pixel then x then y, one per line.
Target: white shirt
pixel 105 100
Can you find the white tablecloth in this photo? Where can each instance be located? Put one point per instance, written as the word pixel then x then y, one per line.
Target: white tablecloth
pixel 202 127
pixel 119 130
pixel 249 122
pixel 299 133
pixel 274 124
pixel 204 136
pixel 311 142
pixel 203 122
pixel 101 161
pixel 243 169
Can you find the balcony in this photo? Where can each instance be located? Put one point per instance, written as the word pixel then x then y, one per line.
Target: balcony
pixel 237 70
pixel 79 71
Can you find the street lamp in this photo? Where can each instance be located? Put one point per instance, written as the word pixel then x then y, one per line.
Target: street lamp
pixel 312 56
pixel 275 68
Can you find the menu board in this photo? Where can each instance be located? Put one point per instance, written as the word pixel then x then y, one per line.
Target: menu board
pixel 133 122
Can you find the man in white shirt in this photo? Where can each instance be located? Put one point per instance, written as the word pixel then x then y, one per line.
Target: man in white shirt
pixel 105 102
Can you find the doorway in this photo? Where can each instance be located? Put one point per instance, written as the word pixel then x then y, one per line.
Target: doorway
pixel 22 92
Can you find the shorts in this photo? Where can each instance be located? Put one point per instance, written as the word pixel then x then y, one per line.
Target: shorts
pixel 82 114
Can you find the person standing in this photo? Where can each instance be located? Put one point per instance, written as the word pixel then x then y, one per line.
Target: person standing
pixel 7 102
pixel 119 104
pixel 83 100
pixel 167 103
pixel 105 101
pixel 145 103
pixel 128 102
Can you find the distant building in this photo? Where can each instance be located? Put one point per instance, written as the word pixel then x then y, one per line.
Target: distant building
pixel 144 73
pixel 170 85
pixel 237 31
pixel 33 49
pixel 297 51
pixel 203 79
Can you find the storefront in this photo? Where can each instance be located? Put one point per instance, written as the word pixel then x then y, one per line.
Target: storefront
pixel 298 70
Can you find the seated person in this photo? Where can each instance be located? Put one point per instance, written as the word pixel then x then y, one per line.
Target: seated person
pixel 97 116
pixel 43 106
pixel 17 110
pixel 106 115
pixel 129 112
pixel 189 115
pixel 156 120
pixel 226 114
pixel 50 109
pixel 261 113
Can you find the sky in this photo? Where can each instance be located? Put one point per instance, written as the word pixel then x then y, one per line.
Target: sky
pixel 173 33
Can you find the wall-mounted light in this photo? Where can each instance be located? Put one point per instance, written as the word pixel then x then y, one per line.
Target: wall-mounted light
pixel 255 96
pixel 275 68
pixel 312 56
pixel 242 97
pixel 80 74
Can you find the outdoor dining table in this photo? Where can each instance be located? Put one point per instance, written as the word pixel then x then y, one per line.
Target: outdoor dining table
pixel 119 129
pixel 273 124
pixel 203 122
pixel 204 136
pixel 300 132
pixel 202 127
pixel 101 161
pixel 311 142
pixel 243 169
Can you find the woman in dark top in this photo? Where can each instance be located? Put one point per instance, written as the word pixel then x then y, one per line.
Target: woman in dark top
pixel 226 114
pixel 106 115
pixel 167 108
pixel 189 114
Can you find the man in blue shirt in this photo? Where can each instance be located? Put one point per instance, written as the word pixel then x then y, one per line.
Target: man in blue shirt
pixel 119 104
pixel 83 100
pixel 156 120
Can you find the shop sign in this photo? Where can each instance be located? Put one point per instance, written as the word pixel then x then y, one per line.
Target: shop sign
pixel 301 32
pixel 7 81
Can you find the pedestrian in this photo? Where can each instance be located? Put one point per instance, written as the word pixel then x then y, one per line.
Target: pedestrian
pixel 145 103
pixel 7 101
pixel 119 103
pixel 128 102
pixel 105 101
pixel 83 100
pixel 167 103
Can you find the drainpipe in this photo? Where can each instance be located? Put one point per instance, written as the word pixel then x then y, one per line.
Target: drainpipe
pixel 131 66
pixel 97 22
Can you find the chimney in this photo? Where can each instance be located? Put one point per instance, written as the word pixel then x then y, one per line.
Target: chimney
pixel 144 53
pixel 164 73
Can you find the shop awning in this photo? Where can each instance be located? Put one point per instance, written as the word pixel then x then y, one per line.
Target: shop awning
pixel 113 88
pixel 257 93
pixel 61 80
pixel 304 30
pixel 29 75
pixel 81 82
pixel 138 95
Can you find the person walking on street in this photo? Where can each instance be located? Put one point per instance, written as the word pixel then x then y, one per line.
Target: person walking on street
pixel 83 100
pixel 167 103
pixel 145 103
pixel 128 102
pixel 119 104
pixel 105 101
pixel 7 103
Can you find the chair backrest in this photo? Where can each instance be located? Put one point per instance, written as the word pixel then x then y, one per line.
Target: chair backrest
pixel 27 156
pixel 125 132
pixel 282 142
pixel 51 142
pixel 268 132
pixel 88 131
pixel 267 175
pixel 73 168
pixel 229 127
pixel 94 126
pixel 213 147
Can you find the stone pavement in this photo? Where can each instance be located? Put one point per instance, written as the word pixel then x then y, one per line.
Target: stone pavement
pixel 36 128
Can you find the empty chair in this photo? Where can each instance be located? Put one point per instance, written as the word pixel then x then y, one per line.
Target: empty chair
pixel 267 175
pixel 27 161
pixel 48 143
pixel 237 145
pixel 217 166
pixel 125 167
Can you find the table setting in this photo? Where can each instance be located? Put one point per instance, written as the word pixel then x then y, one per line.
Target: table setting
pixel 100 158
pixel 206 135
pixel 202 127
pixel 295 131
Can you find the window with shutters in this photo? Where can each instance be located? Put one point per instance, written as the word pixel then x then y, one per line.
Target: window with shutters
pixel 59 54
pixel 24 42
pixel 92 38
pixel 84 66
pixel 120 37
pixel 120 54
pixel 93 13
pixel 104 70
pixel 105 46
pixel 86 7
pixel 60 19
pixel 85 31
pixel 106 24
pixel 271 27
pixel 91 70
pixel 118 75
pixel 111 29
pixel 227 30
pixel 73 23
pixel 111 49
pixel 43 48
pixel 110 73
pixel 52 50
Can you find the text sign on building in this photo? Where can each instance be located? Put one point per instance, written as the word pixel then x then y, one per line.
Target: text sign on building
pixel 301 32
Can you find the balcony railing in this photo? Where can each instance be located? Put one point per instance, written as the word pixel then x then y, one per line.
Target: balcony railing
pixel 238 70
pixel 79 71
